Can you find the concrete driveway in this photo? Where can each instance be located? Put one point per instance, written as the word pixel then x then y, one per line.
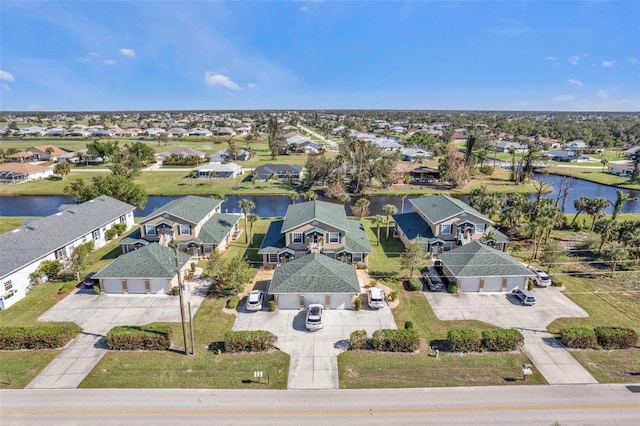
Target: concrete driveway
pixel 548 355
pixel 314 363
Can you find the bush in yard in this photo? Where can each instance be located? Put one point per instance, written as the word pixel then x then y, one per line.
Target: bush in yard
pixel 390 340
pixel 96 289
pixel 140 338
pixel 233 301
pixel 359 339
pixel 175 290
pixel 502 339
pixel 578 337
pixel 616 337
pixel 453 289
pixel 408 325
pixel 556 282
pixel 415 284
pixel 272 305
pixel 358 304
pixel 38 337
pixel 248 341
pixel 464 340
pixel 529 285
pixel 110 234
pixel 393 295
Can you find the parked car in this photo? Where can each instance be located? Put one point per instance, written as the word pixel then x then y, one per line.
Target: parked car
pixel 314 317
pixel 432 278
pixel 525 296
pixel 541 278
pixel 254 301
pixel 89 281
pixel 375 298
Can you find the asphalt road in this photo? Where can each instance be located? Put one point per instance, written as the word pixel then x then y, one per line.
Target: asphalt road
pixel 566 404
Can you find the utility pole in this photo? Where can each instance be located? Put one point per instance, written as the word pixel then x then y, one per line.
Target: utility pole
pixel 184 326
pixel 193 340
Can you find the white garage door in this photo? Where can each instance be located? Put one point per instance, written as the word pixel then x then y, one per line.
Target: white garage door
pixel 514 282
pixel 493 284
pixel 469 284
pixel 159 286
pixel 113 286
pixel 341 301
pixel 288 301
pixel 310 298
pixel 136 286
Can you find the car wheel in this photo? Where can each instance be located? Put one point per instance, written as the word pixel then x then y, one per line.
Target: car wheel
pixel 522 302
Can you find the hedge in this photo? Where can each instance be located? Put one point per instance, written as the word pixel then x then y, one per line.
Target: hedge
pixel 359 339
pixel 233 301
pixel 140 338
pixel 578 337
pixel 38 337
pixel 395 340
pixel 415 284
pixel 248 341
pixel 464 340
pixel 501 340
pixel 616 337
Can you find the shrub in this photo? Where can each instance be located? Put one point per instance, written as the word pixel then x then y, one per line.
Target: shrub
pixel 393 295
pixel 395 340
pixel 529 285
pixel 359 339
pixel 38 337
pixel 616 337
pixel 272 305
pixel 233 301
pixel 96 289
pixel 415 284
pixel 140 338
pixel 464 340
pixel 408 325
pixel 248 341
pixel 175 290
pixel 110 234
pixel 578 337
pixel 193 267
pixel 486 170
pixel 502 340
pixel 361 266
pixel 373 283
pixel 453 289
pixel 358 304
pixel 556 282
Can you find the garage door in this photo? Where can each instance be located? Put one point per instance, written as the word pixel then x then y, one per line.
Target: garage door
pixel 288 301
pixel 493 284
pixel 310 298
pixel 136 286
pixel 341 301
pixel 159 286
pixel 514 282
pixel 112 286
pixel 469 284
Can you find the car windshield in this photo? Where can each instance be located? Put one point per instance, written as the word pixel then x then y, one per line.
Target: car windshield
pixel 376 299
pixel 254 297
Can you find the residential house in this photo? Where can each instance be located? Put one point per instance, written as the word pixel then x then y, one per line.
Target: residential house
pixel 620 169
pixel 179 151
pixel 564 155
pixel 631 152
pixel 309 147
pixel 224 131
pixel 411 154
pixel 505 146
pixel 199 132
pixel 32 131
pixel 222 156
pixel 195 223
pixel 315 227
pixel 441 223
pixel 218 170
pixel 387 144
pixel 23 172
pixel 38 153
pixel 549 143
pixel 177 132
pixel 280 171
pixel 54 238
pixel 575 145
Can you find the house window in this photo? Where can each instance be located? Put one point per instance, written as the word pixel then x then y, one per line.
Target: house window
pixel 357 257
pixel 59 254
pixel 334 237
pixel 184 230
pixel 480 228
pixel 150 229
pixel 445 228
pixel 96 234
pixel 123 219
pixel 447 246
pixel 8 285
pixel 272 258
pixel 296 237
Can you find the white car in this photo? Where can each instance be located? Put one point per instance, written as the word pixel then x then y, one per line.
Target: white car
pixel 314 317
pixel 375 298
pixel 541 278
pixel 254 301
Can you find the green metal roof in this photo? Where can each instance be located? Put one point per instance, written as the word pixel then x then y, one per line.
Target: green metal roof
pixel 274 240
pixel 322 211
pixel 215 230
pixel 190 208
pixel 414 227
pixel 478 260
pixel 314 273
pixel 152 261
pixel 356 238
pixel 440 207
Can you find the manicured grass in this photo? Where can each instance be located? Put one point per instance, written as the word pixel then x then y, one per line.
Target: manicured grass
pixel 35 303
pixel 8 223
pixel 53 185
pixel 205 369
pixel 18 368
pixel 616 366
pixel 367 369
pixel 594 175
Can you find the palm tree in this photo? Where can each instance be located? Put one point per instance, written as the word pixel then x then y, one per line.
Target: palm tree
pixel 344 198
pixel 246 205
pixel 615 254
pixel 389 209
pixel 580 204
pixel 192 175
pixel 254 178
pixel 622 197
pixel 595 209
pixel 252 219
pixel 289 177
pixel 310 196
pixel 512 151
pixel 212 175
pixel 361 206
pixel 604 162
pixel 293 197
pixel 402 196
pixel 62 169
pixel 272 178
pixel 607 228
pixel 378 221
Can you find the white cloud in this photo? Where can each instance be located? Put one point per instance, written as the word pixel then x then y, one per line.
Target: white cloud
pixel 576 83
pixel 109 62
pixel 7 76
pixel 220 80
pixel 34 107
pixel 563 98
pixel 633 60
pixel 128 52
pixel 574 60
pixel 304 9
pixel 251 85
pixel 93 54
pixel 551 58
pixel 608 63
pixel 6 87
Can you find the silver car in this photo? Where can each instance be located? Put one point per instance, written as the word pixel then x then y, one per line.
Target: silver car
pixel 254 301
pixel 541 278
pixel 314 317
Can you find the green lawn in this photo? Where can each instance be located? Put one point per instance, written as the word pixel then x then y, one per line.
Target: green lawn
pixel 616 366
pixel 594 175
pixel 18 368
pixel 8 223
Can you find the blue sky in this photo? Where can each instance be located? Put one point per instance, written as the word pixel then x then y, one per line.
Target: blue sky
pixel 540 55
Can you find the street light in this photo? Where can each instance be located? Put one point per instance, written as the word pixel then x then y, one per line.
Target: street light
pixel 174 245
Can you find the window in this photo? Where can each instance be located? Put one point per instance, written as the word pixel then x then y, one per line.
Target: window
pixel 123 219
pixel 96 234
pixel 8 285
pixel 334 237
pixel 59 254
pixel 296 237
pixel 447 246
pixel 445 228
pixel 357 257
pixel 150 229
pixel 184 230
pixel 272 258
pixel 480 228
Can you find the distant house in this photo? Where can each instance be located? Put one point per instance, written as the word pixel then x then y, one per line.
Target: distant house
pixel 200 132
pixel 23 172
pixel 505 146
pixel 398 129
pixel 222 156
pixel 38 153
pixel 224 131
pixel 309 147
pixel 297 139
pixel 576 144
pixel 411 154
pixel 185 152
pixel 177 132
pixel 280 171
pixel 548 143
pixel 387 144
pixel 564 155
pixel 631 152
pixel 620 169
pixel 221 170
